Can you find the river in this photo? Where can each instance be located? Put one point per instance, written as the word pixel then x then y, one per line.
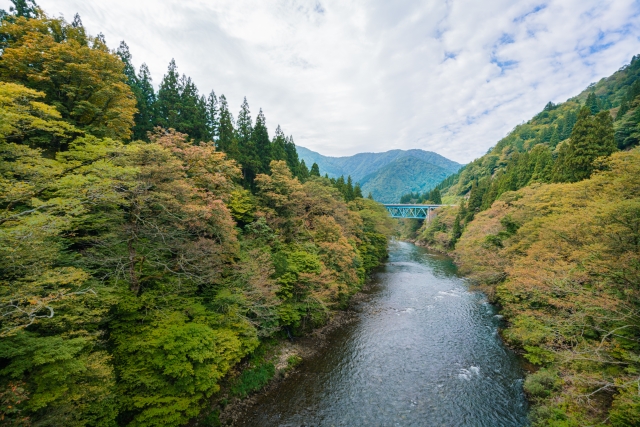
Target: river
pixel 424 351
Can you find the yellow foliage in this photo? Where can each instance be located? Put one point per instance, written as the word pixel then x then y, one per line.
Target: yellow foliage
pixel 570 279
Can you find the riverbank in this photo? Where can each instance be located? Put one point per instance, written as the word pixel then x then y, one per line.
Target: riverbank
pixel 285 355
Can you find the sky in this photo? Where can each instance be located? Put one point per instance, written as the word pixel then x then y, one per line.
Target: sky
pixel 350 76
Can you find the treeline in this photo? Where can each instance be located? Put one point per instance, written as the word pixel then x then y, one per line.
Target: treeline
pixel 428 197
pixel 179 105
pixel 547 223
pixel 135 274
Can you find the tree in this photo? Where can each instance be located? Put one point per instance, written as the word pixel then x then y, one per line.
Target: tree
pixel 592 137
pixel 357 191
pixel 168 102
pixel 592 103
pixel 262 143
pixel 248 157
pixel 435 196
pixel 227 141
pixel 145 117
pixel 142 88
pixel 303 171
pixel 21 8
pixel 86 83
pixel 278 145
pixel 348 190
pixel 315 170
pixel 27 120
pixel 213 116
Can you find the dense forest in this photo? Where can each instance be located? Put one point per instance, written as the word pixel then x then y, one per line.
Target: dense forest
pixel 548 223
pixel 149 242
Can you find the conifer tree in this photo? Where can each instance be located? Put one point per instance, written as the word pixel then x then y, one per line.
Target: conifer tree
pixel 278 151
pixel 592 103
pixel 244 124
pixel 142 87
pixel 227 134
pixel 572 116
pixel 592 137
pixel 303 173
pixel 248 157
pixel 192 111
pixel 292 157
pixel 435 196
pixel 146 98
pixel 349 194
pixel 168 103
pixel 357 191
pixel 340 185
pixel 315 170
pixel 370 196
pixel 21 8
pixel 476 195
pixel 542 161
pixel 260 137
pixel 213 119
pixel 129 70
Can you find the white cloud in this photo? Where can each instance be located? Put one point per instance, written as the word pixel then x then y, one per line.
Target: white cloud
pixel 371 75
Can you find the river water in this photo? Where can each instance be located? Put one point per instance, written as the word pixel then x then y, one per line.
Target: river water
pixel 424 352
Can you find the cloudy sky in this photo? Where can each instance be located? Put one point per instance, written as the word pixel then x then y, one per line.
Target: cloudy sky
pixel 347 76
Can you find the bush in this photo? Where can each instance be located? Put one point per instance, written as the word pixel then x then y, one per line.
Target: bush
pixel 253 379
pixel 542 383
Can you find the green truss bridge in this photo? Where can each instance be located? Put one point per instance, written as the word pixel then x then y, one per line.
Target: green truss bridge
pixel 412 211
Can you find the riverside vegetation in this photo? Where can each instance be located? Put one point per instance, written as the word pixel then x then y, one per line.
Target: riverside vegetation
pixel 149 243
pixel 548 223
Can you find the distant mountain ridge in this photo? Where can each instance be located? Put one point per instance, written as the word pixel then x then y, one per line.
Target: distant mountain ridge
pixel 386 175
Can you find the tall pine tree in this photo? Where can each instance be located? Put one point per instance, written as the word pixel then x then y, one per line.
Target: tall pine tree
pixel 262 143
pixel 248 158
pixel 213 116
pixel 168 103
pixel 227 133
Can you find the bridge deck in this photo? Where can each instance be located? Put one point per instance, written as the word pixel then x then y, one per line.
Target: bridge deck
pixel 399 210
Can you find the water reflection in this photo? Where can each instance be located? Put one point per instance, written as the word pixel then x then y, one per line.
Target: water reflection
pixel 425 352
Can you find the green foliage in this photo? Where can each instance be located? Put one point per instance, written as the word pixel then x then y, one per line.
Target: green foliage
pixel 134 276
pixel 592 137
pixel 542 384
pixel 253 379
pixel 173 364
pixel 242 206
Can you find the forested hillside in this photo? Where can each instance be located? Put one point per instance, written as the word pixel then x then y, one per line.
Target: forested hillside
pixel 535 151
pixel 386 176
pixel 149 242
pixel 548 223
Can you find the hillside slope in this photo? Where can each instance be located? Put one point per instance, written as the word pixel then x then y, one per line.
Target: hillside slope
pixel 379 173
pixel 404 175
pixel 619 93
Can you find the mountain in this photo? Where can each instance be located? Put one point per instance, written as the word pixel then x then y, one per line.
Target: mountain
pixel 386 175
pixel 405 175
